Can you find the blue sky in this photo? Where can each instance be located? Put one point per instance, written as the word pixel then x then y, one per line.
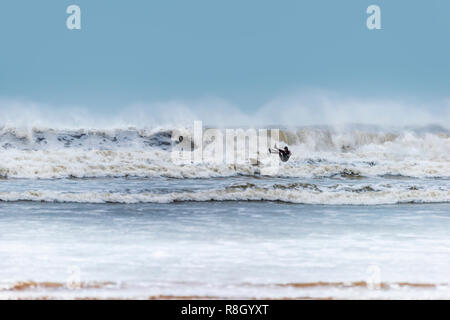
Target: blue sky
pixel 243 51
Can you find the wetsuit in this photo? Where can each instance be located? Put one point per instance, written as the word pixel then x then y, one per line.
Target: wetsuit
pixel 284 155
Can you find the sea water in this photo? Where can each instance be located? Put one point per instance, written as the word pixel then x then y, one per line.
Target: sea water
pixel 360 213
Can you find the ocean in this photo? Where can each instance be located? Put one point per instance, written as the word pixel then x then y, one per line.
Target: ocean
pixel 359 212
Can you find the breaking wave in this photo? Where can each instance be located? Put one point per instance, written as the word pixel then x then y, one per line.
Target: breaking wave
pixel 302 193
pixel 354 152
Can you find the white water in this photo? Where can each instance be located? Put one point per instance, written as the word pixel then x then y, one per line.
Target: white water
pixel 224 250
pixel 317 152
pixel 352 165
pixel 112 204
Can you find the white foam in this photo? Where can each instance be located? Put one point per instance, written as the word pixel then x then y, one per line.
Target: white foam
pixel 339 196
pixel 317 152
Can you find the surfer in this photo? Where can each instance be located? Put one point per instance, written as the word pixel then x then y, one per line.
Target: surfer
pixel 284 154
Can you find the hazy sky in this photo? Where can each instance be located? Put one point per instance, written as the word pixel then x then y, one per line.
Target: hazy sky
pixel 243 51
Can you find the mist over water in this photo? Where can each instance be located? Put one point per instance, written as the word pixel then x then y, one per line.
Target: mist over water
pixel 290 110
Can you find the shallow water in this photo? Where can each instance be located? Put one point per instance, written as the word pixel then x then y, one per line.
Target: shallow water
pixel 224 249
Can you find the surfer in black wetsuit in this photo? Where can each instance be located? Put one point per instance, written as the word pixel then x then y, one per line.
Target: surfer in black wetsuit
pixel 284 154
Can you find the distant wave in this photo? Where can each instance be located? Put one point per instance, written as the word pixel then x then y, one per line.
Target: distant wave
pixel 354 152
pixel 319 138
pixel 87 139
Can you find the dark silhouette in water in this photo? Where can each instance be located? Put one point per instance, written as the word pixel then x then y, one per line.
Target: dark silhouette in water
pixel 284 154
